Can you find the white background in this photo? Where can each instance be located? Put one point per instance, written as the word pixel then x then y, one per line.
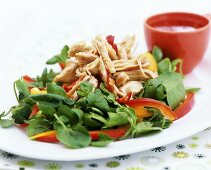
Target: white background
pixel 33 31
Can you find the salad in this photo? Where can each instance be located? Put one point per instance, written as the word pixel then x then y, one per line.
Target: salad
pixel 103 93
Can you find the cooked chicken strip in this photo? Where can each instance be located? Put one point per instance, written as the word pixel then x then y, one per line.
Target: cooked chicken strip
pixel 80 72
pixel 124 64
pixel 111 52
pixel 102 70
pixel 93 67
pixel 99 44
pixel 132 86
pixel 131 64
pixel 70 94
pixel 135 75
pixel 150 73
pixel 93 81
pixel 68 75
pixel 85 58
pixel 128 44
pixel 121 79
pixel 79 47
pixel 121 52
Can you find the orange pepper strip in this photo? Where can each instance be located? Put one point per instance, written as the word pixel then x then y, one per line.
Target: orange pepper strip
pixel 49 137
pixel 136 104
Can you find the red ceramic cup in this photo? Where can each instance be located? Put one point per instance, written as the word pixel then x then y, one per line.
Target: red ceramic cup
pixel 189 46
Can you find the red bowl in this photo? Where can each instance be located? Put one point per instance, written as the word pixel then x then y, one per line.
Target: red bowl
pixel 189 46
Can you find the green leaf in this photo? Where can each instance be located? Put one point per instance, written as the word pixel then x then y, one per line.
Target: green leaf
pixel 174 64
pixel 122 116
pixel 164 66
pixel 90 123
pixel 161 92
pixel 51 99
pixel 5 123
pixel 81 102
pixel 95 110
pixel 131 114
pixel 85 89
pixel 143 128
pixel 54 89
pixel 107 94
pixel 46 109
pixel 74 115
pixel 60 58
pixel 157 53
pixel 73 138
pixel 192 90
pixel 173 83
pixel 21 113
pixel 167 87
pixel 97 100
pixel 158 119
pixel 79 113
pixel 116 119
pixel 37 126
pixel 46 77
pixel 22 88
pixel 103 141
pixel 151 89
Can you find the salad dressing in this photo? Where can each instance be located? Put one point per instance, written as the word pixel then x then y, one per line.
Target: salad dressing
pixel 176 28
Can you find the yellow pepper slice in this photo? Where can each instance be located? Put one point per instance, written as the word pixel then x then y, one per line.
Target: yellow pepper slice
pixel 35 90
pixel 151 59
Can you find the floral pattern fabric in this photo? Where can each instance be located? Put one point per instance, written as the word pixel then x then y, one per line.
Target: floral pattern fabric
pixel 192 153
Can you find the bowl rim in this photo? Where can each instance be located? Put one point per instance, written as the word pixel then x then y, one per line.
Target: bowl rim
pixel 207 26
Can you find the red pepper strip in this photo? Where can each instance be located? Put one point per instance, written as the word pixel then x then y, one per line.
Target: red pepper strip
pixel 28 79
pixel 108 82
pixel 50 136
pixel 34 111
pixel 186 106
pixel 110 40
pixel 67 87
pixel 23 125
pixel 124 99
pixel 147 102
pixel 113 133
pixel 62 65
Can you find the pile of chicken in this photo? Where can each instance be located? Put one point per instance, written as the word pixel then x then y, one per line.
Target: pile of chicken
pixel 104 61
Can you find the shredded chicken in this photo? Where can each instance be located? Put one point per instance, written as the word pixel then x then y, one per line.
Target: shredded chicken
pixel 150 73
pixel 121 52
pixel 93 67
pixel 102 71
pixel 130 64
pixel 70 94
pixel 68 75
pixel 111 52
pixel 121 79
pixel 93 81
pixel 132 86
pixel 85 58
pixel 119 71
pixel 99 44
pixel 128 44
pixel 79 47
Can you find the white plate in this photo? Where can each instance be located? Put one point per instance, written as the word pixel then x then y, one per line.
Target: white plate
pixel 14 140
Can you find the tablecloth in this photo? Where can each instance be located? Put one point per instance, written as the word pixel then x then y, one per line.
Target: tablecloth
pixel 192 153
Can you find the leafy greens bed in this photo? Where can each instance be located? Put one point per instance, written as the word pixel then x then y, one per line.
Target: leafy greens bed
pixel 71 109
